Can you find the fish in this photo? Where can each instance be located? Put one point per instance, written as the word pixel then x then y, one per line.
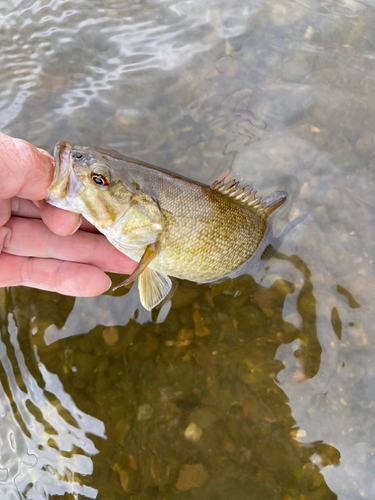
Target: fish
pixel 174 227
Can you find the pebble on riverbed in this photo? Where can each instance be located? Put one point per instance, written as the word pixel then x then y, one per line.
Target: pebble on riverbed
pixel 193 432
pixel 191 477
pixel 144 412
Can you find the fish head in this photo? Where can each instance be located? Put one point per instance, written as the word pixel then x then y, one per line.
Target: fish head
pixel 90 181
pixel 84 182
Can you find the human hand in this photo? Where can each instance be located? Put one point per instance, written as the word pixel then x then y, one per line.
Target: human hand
pixel 35 249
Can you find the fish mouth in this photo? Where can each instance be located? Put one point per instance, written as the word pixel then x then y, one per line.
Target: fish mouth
pixel 61 182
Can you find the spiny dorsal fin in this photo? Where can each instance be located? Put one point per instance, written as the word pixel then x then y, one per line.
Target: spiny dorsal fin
pixel 246 195
pixel 273 201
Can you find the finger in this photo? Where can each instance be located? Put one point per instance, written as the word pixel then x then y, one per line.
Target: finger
pixel 24 208
pixel 27 171
pixel 5 211
pixel 44 152
pixel 59 221
pixel 30 237
pixel 67 278
pixel 5 235
pixel 87 226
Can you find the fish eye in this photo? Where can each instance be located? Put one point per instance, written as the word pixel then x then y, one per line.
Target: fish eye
pixel 99 179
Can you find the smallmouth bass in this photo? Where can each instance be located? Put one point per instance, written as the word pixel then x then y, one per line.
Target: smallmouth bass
pixel 169 224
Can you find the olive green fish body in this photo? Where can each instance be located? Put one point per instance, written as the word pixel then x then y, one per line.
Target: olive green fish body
pixel 171 225
pixel 215 238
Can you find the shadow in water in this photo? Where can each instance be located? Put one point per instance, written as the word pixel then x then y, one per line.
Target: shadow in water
pixel 187 408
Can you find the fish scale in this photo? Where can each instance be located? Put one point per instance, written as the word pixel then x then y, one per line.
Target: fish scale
pixel 171 225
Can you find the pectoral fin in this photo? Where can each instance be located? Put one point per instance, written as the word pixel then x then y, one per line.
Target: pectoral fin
pixel 153 288
pixel 149 255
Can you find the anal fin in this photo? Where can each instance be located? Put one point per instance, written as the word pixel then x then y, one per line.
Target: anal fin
pixel 153 288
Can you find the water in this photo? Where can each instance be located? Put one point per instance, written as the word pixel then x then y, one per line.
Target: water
pixel 268 391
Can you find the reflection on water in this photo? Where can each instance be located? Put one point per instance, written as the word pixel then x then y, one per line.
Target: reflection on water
pixel 44 443
pixel 265 390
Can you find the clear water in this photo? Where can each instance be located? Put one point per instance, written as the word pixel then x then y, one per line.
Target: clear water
pixel 268 392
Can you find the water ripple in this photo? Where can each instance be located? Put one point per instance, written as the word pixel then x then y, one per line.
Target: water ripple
pixel 47 41
pixel 42 453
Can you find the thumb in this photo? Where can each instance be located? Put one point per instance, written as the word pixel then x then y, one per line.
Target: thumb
pixel 28 171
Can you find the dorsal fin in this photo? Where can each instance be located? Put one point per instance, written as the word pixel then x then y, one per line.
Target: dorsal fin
pixel 246 195
pixel 273 201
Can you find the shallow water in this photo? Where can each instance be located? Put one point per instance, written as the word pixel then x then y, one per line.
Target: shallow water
pixel 266 392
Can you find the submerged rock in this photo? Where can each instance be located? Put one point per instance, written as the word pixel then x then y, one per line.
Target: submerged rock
pixel 191 476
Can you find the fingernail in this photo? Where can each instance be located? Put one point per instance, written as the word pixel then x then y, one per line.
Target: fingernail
pixel 77 226
pixel 110 283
